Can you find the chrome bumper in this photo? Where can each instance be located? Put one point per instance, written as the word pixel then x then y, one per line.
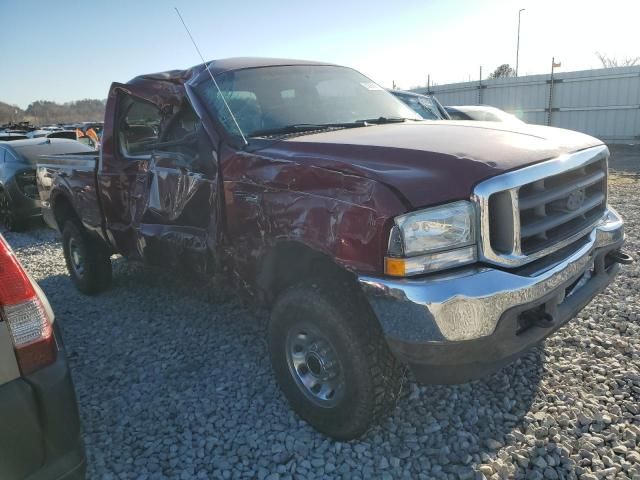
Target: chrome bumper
pixel 468 304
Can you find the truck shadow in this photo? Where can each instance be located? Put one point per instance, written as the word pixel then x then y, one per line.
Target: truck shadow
pixel 176 370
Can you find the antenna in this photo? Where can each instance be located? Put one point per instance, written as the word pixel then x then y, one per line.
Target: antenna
pixel 206 65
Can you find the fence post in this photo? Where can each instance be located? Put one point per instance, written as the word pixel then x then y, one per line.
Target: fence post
pixel 480 87
pixel 550 107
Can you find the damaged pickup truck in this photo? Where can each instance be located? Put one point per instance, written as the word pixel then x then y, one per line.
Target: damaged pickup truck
pixel 380 241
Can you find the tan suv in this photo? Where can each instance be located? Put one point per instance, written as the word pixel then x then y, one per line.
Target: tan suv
pixel 40 427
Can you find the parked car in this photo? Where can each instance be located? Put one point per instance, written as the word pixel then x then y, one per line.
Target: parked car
pixel 427 106
pixel 62 134
pixel 19 199
pixel 378 239
pixel 482 113
pixel 68 134
pixel 10 136
pixel 40 426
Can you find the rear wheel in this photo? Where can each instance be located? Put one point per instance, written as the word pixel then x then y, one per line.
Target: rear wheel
pixel 88 261
pixel 8 216
pixel 331 359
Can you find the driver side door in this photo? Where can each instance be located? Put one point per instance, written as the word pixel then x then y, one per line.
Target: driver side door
pixel 168 187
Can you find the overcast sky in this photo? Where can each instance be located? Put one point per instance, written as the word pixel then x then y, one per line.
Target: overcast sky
pixel 70 50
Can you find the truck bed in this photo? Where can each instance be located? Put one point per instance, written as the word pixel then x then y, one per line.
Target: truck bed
pixel 76 173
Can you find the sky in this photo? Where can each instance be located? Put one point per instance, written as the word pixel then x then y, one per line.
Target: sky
pixel 70 50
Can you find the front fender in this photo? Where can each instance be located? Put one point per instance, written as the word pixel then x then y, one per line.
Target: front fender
pixel 343 216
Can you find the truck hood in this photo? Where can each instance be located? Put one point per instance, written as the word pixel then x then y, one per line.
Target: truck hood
pixel 430 162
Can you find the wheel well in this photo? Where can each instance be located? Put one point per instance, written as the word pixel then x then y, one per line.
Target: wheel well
pixel 289 263
pixel 62 210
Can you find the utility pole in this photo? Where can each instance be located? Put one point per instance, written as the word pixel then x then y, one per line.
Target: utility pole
pixel 518 44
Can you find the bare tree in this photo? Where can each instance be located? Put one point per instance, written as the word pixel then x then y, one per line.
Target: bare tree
pixel 609 62
pixel 503 71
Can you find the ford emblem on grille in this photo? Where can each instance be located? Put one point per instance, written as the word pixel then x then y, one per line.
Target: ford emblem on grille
pixel 576 199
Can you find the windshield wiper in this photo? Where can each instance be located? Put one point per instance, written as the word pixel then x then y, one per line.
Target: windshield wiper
pixel 308 127
pixel 381 120
pixel 303 127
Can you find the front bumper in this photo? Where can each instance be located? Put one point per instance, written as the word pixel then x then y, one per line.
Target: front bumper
pixel 456 326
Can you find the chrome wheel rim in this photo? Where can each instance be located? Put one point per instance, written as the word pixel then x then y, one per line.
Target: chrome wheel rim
pixel 76 256
pixel 314 364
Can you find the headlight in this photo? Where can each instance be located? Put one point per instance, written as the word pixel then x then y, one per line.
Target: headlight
pixel 432 239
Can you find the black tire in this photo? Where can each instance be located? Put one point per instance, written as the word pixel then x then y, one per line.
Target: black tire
pixel 8 216
pixel 371 376
pixel 88 261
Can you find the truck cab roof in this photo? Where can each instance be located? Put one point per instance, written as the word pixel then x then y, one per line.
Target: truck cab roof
pixel 220 66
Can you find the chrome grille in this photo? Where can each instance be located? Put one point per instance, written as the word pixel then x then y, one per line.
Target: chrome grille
pixel 556 207
pixel 534 211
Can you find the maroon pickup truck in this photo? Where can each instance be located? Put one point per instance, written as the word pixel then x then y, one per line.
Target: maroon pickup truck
pixel 381 242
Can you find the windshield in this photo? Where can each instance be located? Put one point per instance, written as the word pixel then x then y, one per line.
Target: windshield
pixel 272 98
pixel 422 105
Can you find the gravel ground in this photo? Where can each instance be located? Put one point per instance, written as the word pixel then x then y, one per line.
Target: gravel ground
pixel 173 381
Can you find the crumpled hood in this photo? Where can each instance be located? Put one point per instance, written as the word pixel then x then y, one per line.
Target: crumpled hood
pixel 431 162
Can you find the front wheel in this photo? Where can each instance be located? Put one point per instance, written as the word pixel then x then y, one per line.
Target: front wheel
pixel 331 360
pixel 88 261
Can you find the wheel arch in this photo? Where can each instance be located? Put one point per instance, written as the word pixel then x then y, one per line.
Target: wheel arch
pixel 289 262
pixel 62 208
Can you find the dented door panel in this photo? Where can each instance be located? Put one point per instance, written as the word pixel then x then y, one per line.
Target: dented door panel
pixel 174 222
pixel 171 190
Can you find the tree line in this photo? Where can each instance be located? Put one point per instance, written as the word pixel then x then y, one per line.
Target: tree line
pixel 44 112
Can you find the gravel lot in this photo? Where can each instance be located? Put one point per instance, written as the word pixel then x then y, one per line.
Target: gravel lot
pixel 173 381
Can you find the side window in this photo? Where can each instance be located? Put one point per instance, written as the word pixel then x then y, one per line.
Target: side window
pixel 181 126
pixel 9 157
pixel 178 140
pixel 184 143
pixel 456 115
pixel 138 126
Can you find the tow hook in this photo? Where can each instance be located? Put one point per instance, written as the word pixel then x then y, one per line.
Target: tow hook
pixel 620 257
pixel 535 318
pixel 543 321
